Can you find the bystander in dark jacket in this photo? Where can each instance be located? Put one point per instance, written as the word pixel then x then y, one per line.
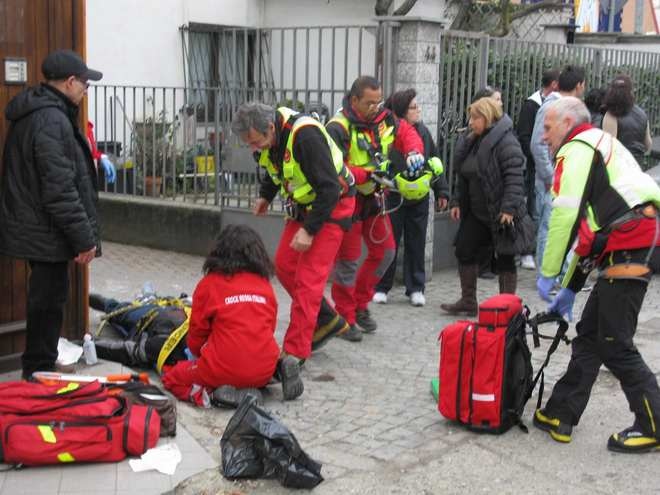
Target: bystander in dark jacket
pixel 49 187
pixel 624 120
pixel 489 201
pixel 593 99
pixel 48 196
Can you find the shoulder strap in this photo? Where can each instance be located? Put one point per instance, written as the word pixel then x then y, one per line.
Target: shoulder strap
pixel 534 322
pixel 173 340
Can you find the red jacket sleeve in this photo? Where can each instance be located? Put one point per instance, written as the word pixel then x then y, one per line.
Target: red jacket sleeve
pixel 96 154
pixel 201 317
pixel 407 139
pixel 361 174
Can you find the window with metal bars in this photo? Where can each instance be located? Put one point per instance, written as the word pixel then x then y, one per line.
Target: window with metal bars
pixel 219 67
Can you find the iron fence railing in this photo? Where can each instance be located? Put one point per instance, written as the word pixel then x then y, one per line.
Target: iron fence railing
pixel 175 142
pixel 469 61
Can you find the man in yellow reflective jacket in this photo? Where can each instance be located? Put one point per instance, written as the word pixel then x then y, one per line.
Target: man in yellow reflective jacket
pixel 305 166
pixel 602 199
pixel 365 132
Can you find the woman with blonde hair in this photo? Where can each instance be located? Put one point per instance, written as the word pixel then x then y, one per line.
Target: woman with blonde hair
pixel 489 201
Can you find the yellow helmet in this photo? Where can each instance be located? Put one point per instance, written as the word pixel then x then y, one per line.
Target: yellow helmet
pixel 418 187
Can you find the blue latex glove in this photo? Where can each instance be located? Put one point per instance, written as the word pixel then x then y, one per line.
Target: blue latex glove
pixel 544 285
pixel 189 354
pixel 563 304
pixel 415 161
pixel 108 169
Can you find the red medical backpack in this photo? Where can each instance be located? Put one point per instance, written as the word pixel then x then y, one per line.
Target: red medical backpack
pixel 71 422
pixel 485 367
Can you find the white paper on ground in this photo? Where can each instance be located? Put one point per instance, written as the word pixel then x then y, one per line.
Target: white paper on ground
pixel 68 352
pixel 163 458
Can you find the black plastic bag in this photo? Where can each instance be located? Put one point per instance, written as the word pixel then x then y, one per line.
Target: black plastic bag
pixel 256 445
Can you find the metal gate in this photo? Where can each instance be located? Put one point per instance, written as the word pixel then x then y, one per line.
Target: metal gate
pixel 470 61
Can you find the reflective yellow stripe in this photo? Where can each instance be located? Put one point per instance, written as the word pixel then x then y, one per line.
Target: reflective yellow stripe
pixel 559 437
pixel 47 433
pixel 545 419
pixel 68 388
pixel 650 414
pixel 637 441
pixel 172 341
pixel 65 457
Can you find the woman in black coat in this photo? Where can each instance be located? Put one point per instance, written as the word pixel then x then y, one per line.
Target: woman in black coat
pixel 489 201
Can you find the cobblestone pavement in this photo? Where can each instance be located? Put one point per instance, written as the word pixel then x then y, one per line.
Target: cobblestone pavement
pixel 368 416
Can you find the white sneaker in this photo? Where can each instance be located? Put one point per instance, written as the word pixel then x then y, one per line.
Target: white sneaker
pixel 417 299
pixel 527 262
pixel 379 298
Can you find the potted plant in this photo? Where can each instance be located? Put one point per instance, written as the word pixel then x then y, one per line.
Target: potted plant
pixel 152 151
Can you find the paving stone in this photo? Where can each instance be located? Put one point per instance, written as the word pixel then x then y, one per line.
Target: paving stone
pixel 376 428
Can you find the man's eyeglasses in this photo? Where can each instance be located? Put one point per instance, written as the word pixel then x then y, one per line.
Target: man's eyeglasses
pixel 83 82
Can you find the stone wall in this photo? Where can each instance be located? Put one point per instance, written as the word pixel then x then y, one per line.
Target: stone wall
pixel 417 65
pixel 191 229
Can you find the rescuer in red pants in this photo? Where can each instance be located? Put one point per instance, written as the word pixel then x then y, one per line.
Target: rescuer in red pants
pixel 305 165
pixel 366 132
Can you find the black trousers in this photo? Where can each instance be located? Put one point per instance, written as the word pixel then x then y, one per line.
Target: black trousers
pixel 530 187
pixel 411 220
pixel 605 336
pixel 474 235
pixel 47 291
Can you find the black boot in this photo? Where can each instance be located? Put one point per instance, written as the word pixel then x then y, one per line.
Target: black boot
pixel 365 321
pixel 353 334
pixel 97 302
pixel 329 324
pixel 288 369
pixel 121 351
pixel 230 397
pixel 633 440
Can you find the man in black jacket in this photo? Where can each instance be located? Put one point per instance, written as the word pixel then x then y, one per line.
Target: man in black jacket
pixel 48 195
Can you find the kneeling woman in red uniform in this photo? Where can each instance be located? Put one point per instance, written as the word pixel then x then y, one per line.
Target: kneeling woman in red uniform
pixel 232 326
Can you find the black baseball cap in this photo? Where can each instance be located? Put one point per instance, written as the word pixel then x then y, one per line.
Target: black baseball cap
pixel 62 64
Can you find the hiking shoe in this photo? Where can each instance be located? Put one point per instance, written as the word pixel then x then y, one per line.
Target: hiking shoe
pixel 527 262
pixel 366 322
pixel 417 299
pixel 230 397
pixel 379 298
pixel 289 370
pixel 336 327
pixel 632 441
pixel 353 334
pixel 559 432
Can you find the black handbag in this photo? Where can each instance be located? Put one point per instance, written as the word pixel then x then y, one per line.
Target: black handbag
pixel 519 237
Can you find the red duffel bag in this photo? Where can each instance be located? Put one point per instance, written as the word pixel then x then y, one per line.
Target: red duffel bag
pixel 83 424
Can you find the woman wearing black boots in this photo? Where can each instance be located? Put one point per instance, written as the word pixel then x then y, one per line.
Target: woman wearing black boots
pixel 489 201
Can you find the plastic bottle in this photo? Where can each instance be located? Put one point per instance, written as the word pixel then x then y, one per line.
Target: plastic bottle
pixel 89 350
pixel 148 289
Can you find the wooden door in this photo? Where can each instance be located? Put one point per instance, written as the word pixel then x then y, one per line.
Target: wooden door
pixel 30 29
